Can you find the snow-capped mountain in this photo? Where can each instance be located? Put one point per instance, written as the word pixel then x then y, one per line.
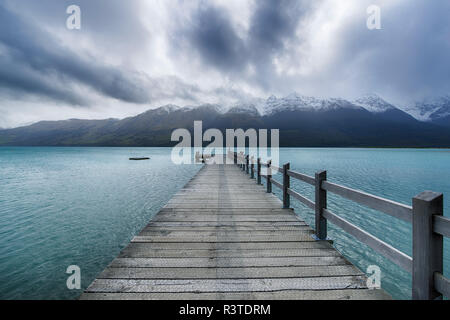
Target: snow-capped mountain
pixel 374 103
pixel 210 107
pixel 169 108
pixel 435 110
pixel 244 108
pixel 295 101
pixel 422 110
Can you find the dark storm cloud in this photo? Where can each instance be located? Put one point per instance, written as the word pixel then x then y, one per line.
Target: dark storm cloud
pixel 17 80
pixel 213 37
pixel 34 56
pixel 274 22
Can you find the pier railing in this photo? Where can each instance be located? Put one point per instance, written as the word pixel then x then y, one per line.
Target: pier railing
pixel 429 226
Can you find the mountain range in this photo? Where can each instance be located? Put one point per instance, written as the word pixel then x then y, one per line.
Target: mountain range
pixel 303 121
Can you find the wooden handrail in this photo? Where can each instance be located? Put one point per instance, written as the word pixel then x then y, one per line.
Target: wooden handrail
pixel 395 209
pixel 280 170
pixel 442 284
pixel 302 199
pixel 302 177
pixel 425 214
pixel 276 183
pixel 441 225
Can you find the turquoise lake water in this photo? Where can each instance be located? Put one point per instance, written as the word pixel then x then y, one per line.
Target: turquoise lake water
pixel 81 206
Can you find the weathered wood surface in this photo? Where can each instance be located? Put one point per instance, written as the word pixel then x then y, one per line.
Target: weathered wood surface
pixel 223 237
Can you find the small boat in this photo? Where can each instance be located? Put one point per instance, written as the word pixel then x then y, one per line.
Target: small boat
pixel 143 158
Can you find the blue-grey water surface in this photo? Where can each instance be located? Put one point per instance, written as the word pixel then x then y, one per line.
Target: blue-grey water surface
pixel 81 206
pixel 75 206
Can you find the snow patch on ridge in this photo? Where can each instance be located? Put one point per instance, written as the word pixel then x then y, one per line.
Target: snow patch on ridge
pixel 374 103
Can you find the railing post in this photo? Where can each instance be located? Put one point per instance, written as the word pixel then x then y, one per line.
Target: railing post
pixel 239 160
pixel 269 176
pixel 286 186
pixel 247 161
pixel 321 203
pixel 428 247
pixel 252 168
pixel 258 171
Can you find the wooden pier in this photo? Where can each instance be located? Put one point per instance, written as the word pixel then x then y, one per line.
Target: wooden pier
pixel 223 236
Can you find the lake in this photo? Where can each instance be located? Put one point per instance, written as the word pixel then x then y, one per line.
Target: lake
pixel 81 206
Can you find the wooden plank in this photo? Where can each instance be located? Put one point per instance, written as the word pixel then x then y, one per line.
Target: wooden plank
pixel 230 205
pixel 227 211
pixel 227 218
pixel 217 238
pixel 205 199
pixel 222 233
pixel 226 262
pixel 272 217
pixel 276 224
pixel 233 253
pixel 232 245
pixel 227 285
pixel 229 228
pixel 348 294
pixel 229 273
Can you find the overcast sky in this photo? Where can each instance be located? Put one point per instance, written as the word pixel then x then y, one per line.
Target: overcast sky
pixel 130 56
